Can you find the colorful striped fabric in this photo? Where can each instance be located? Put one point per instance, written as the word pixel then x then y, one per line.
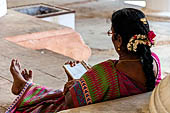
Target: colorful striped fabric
pixel 100 83
pixel 158 77
pixel 103 82
pixel 38 99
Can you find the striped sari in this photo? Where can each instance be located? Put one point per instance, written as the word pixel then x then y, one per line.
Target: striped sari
pixel 100 83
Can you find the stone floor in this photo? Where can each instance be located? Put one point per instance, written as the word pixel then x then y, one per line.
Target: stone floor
pixel 91 22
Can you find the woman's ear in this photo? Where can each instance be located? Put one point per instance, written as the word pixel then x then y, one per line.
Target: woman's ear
pixel 119 40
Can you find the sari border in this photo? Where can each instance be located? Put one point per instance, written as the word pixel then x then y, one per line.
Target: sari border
pixel 11 107
pixel 159 76
pixel 73 95
pixel 85 91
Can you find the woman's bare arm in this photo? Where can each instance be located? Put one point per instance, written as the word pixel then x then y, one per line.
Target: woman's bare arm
pixel 155 68
pixel 66 92
pixel 69 100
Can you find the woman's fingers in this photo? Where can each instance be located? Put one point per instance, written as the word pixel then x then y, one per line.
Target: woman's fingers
pixel 72 63
pixel 77 62
pixel 68 85
pixel 68 62
pixel 69 76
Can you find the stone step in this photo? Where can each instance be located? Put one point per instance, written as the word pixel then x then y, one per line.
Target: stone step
pixel 132 104
pixel 63 41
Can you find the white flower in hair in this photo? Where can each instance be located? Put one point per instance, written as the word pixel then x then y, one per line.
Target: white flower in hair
pixel 137 39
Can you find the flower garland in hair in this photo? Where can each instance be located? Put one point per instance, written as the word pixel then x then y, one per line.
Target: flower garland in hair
pixel 141 39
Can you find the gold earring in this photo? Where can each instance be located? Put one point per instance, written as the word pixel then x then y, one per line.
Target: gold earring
pixel 118 48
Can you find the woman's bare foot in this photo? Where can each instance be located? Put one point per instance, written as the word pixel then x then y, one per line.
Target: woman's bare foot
pixel 19 81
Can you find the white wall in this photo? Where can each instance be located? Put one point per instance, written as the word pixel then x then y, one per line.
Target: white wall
pixel 3 7
pixel 63 19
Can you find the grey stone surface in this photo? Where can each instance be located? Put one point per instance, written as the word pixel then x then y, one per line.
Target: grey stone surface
pixel 92 21
pixel 17 24
pixel 47 68
pixel 132 104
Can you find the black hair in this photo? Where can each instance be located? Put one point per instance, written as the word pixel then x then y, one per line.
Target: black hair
pixel 127 23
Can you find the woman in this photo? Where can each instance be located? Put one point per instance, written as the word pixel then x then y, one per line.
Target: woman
pixel 135 72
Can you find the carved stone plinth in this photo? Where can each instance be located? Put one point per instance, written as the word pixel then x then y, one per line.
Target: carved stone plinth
pixel 160 101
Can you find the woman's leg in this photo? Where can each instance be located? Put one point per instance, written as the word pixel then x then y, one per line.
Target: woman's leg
pixel 32 97
pixel 19 81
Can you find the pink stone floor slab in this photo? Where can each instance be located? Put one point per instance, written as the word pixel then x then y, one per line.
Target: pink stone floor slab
pixel 64 41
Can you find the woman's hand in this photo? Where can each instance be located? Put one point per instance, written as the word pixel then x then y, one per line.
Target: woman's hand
pixel 68 85
pixel 72 64
pixel 68 100
pixel 66 92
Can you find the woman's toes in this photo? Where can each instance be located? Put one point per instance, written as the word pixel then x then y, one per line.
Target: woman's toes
pixel 18 65
pixel 12 64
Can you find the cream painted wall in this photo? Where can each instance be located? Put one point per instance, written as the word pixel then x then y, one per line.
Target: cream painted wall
pixel 3 7
pixel 160 5
pixel 63 19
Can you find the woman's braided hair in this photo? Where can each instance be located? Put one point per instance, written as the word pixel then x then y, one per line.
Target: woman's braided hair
pixel 127 23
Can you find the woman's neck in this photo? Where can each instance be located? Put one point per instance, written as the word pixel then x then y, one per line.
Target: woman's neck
pixel 127 56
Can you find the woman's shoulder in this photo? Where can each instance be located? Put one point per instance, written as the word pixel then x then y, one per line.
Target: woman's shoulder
pixel 107 63
pixel 102 67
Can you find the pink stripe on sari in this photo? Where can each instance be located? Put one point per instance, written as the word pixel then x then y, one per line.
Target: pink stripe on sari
pixel 158 78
